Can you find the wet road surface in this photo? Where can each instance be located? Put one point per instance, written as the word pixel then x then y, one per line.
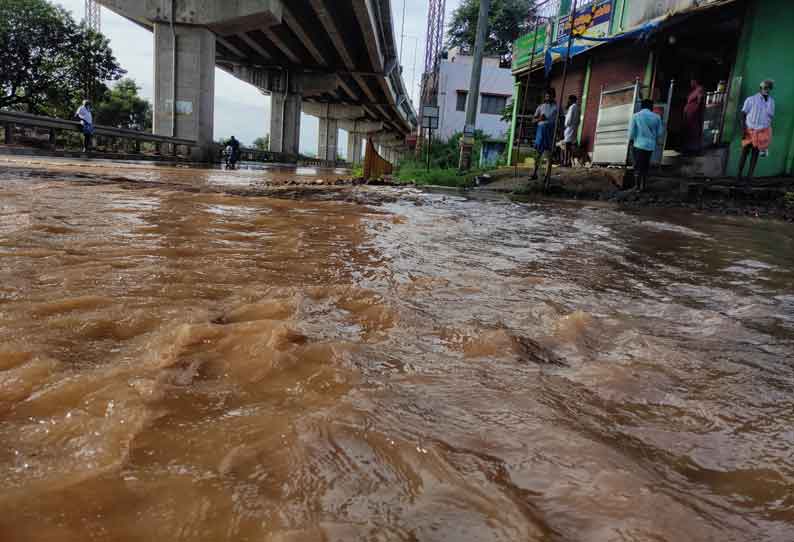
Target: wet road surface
pixel 179 362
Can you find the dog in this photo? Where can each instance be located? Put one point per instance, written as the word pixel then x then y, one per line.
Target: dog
pixel 579 155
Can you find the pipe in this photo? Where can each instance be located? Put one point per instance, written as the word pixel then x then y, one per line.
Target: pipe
pixel 547 178
pixel 173 70
pixel 284 107
pixel 402 36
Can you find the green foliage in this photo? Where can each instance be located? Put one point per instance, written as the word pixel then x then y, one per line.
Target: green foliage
pixel 49 63
pixel 446 154
pixel 262 143
pixel 358 171
pixel 788 200
pixel 508 20
pixel 417 172
pixel 122 107
pixel 507 113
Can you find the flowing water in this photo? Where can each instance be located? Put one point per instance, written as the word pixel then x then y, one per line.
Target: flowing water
pixel 178 362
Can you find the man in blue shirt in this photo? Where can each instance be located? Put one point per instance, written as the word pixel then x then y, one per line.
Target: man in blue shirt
pixel 644 136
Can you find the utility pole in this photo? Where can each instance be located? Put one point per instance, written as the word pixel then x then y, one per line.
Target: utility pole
pixel 93 15
pixel 467 141
pixel 571 35
pixel 93 20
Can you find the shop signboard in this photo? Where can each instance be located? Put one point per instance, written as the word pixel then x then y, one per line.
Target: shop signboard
pixel 590 20
pixel 524 46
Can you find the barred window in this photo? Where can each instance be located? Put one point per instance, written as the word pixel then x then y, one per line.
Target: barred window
pixel 493 104
pixel 462 96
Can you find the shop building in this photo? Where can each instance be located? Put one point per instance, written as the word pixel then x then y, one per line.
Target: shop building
pixel 626 50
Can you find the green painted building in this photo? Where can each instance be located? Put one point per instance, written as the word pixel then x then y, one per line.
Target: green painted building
pixel 730 45
pixel 765 52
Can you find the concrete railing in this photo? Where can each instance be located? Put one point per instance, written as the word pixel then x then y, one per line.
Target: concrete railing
pixel 11 119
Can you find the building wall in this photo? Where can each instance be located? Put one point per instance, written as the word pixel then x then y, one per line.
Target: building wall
pixel 611 67
pixel 765 53
pixel 455 75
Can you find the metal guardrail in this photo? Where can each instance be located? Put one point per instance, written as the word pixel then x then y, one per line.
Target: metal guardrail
pixel 9 119
pixel 248 154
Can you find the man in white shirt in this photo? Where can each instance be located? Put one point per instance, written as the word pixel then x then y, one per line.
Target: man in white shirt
pixel 571 129
pixel 87 120
pixel 757 115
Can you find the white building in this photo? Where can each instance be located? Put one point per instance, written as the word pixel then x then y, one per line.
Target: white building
pixel 496 90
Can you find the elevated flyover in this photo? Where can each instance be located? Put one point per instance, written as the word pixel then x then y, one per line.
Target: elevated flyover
pixel 333 59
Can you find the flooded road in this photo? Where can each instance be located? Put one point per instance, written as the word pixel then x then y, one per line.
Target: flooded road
pixel 178 362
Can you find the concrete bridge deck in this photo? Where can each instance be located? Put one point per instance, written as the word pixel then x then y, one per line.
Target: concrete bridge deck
pixel 333 59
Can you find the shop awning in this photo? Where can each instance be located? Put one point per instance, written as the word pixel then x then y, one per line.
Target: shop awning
pixel 642 33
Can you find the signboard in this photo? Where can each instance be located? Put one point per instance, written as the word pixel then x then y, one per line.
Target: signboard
pixel 591 20
pixel 430 114
pixel 430 111
pixel 523 47
pixel 430 122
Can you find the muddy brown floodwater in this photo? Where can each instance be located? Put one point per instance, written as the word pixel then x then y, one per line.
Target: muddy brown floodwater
pixel 181 363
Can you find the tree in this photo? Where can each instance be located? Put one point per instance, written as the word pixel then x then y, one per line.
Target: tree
pixel 507 113
pixel 509 20
pixel 49 63
pixel 262 143
pixel 122 107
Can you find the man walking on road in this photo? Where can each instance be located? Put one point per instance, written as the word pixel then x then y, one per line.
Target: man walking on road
pixel 87 120
pixel 645 134
pixel 757 115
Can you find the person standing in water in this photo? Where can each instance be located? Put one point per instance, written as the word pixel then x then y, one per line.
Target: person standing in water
pixel 644 136
pixel 757 115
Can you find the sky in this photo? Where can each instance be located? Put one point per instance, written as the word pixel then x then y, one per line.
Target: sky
pixel 240 109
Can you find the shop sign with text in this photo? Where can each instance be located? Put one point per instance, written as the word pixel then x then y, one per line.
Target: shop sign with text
pixel 591 20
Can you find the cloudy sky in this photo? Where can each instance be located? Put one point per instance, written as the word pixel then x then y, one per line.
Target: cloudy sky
pixel 240 109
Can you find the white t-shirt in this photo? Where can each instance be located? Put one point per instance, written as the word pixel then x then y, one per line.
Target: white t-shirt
pixel 759 112
pixel 571 123
pixel 85 115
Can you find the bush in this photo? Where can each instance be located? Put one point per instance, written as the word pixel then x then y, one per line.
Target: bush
pixel 417 172
pixel 788 201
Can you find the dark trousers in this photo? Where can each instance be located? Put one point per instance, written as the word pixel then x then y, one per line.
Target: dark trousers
pixel 642 164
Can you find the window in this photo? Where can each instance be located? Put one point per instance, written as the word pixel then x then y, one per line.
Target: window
pixel 493 104
pixel 462 96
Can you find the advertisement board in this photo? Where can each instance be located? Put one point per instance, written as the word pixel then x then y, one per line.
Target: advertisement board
pixel 591 20
pixel 523 47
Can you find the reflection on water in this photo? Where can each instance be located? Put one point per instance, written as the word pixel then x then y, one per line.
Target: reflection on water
pixel 186 365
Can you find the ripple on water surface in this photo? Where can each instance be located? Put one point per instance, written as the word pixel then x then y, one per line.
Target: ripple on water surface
pixel 207 366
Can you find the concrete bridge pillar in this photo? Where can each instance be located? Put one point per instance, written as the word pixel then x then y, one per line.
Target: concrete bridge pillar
pixel 354 144
pixel 328 139
pixel 285 122
pixel 184 91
